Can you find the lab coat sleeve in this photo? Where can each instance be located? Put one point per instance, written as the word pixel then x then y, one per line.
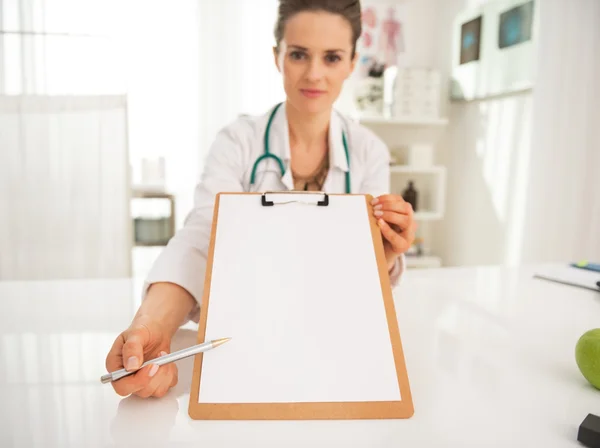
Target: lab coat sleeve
pixel 183 261
pixel 377 182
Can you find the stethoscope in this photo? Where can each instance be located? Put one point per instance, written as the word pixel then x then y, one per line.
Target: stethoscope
pixel 269 155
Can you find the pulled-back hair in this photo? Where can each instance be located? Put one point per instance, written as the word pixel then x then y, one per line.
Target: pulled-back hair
pixel 348 9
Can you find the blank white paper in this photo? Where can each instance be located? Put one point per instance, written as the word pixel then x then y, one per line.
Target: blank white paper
pixel 297 288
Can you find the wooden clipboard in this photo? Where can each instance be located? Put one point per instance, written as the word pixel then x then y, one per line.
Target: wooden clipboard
pixel 402 409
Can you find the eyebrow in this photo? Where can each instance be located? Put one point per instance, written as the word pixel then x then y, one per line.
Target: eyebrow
pixel 335 50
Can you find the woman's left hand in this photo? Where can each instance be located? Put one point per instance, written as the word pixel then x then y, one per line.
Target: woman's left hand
pixel 396 221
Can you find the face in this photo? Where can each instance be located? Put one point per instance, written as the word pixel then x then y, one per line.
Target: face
pixel 315 58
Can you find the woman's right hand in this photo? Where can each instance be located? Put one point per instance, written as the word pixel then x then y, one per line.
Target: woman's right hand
pixel 145 339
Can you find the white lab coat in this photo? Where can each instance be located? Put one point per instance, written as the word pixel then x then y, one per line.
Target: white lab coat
pixel 228 168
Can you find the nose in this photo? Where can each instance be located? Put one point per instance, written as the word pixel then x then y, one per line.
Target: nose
pixel 315 70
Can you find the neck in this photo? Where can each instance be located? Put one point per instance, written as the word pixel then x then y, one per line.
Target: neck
pixel 307 131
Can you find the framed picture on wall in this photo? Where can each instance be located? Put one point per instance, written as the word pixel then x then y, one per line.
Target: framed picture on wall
pixel 515 26
pixel 470 40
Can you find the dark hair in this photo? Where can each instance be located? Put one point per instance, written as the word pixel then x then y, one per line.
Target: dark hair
pixel 348 9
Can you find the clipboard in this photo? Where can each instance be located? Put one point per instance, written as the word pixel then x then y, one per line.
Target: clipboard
pixel 296 393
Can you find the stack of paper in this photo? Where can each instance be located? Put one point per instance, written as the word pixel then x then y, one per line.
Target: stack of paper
pixel 569 275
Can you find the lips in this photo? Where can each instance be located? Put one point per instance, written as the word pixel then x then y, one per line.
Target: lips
pixel 312 93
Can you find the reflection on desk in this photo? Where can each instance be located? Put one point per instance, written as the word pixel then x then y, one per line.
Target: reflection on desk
pixel 489 351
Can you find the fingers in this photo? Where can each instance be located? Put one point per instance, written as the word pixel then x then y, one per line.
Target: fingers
pixel 399 242
pixel 158 376
pixel 394 203
pixel 114 360
pixel 136 382
pixel 396 212
pixel 133 348
pixel 175 378
pixel 129 351
pixel 160 380
pixel 164 387
pixel 402 221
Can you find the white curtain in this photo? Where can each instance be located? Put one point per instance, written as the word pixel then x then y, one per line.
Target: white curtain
pixel 64 188
pixel 562 220
pixel 60 47
pixel 64 171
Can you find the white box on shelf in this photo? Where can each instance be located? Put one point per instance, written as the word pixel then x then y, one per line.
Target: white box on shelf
pixel 423 262
pixel 416 114
pixel 419 109
pixel 420 155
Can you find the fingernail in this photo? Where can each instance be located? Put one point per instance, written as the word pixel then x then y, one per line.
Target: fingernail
pixel 163 353
pixel 153 370
pixel 374 201
pixel 132 363
pixel 378 207
pixel 378 213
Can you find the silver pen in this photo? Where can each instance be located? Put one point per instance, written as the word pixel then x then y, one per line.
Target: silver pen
pixel 162 360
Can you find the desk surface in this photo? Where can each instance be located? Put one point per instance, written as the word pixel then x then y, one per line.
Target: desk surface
pixel 489 351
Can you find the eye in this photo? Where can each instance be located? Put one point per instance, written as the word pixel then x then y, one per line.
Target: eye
pixel 332 58
pixel 297 55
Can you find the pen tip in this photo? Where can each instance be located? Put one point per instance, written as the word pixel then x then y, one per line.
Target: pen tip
pixel 218 342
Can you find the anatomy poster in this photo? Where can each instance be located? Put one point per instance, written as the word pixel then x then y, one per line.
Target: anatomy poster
pixel 382 43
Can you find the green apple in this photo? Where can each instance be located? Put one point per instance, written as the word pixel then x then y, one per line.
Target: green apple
pixel 587 355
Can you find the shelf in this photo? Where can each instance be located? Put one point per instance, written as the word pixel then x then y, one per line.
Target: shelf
pixel 408 169
pixel 430 183
pixel 403 132
pixel 427 216
pixel 421 262
pixel 381 121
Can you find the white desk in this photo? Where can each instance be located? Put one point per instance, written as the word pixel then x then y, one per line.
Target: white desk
pixel 489 351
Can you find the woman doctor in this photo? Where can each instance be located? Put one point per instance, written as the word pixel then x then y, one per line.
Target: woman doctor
pixel 310 146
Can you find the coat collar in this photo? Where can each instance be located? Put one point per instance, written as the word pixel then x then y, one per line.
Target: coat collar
pixel 279 143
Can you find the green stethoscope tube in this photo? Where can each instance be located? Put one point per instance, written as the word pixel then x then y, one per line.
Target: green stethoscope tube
pixel 269 155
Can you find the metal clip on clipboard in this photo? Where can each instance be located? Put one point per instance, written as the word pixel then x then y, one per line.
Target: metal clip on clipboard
pixel 322 203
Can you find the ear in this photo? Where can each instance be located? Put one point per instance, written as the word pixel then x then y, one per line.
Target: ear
pixel 276 58
pixel 353 63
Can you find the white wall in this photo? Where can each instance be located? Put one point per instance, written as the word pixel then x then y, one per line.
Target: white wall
pixel 487 154
pixel 159 41
pixel 563 198
pixel 522 170
pixel 237 72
